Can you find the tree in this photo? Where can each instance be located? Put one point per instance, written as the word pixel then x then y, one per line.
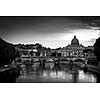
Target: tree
pixel 7 52
pixel 97 49
pixel 87 50
pixel 97 54
pixel 38 46
pixel 54 54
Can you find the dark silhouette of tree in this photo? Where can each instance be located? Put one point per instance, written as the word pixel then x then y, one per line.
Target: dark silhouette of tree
pixel 54 54
pixel 7 52
pixel 97 54
pixel 97 48
pixel 38 46
pixel 59 54
pixel 87 50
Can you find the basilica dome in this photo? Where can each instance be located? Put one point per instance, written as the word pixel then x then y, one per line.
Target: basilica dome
pixel 75 41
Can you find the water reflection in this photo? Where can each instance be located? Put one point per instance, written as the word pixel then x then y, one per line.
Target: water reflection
pixel 86 77
pixel 56 76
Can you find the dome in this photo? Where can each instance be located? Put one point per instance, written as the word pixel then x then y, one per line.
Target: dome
pixel 75 41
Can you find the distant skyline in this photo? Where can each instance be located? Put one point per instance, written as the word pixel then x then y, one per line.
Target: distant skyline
pixel 51 32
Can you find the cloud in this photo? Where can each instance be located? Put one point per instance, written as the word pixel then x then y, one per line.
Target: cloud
pixel 41 29
pixel 93 21
pixel 42 25
pixel 89 42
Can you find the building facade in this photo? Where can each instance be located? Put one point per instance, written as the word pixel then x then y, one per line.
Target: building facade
pixel 75 49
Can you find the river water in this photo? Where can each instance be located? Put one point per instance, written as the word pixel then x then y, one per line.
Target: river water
pixel 56 76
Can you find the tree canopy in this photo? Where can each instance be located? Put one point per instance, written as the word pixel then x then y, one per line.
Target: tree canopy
pixel 7 52
pixel 97 48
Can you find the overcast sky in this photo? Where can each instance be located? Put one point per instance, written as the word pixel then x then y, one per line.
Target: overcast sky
pixel 50 31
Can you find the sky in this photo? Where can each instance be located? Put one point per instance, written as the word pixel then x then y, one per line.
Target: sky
pixel 50 31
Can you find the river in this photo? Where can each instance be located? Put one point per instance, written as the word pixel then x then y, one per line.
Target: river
pixel 49 76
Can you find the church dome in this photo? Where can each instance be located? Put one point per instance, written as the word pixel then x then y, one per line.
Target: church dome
pixel 75 41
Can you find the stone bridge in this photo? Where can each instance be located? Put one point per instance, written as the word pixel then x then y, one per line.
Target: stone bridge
pixel 66 58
